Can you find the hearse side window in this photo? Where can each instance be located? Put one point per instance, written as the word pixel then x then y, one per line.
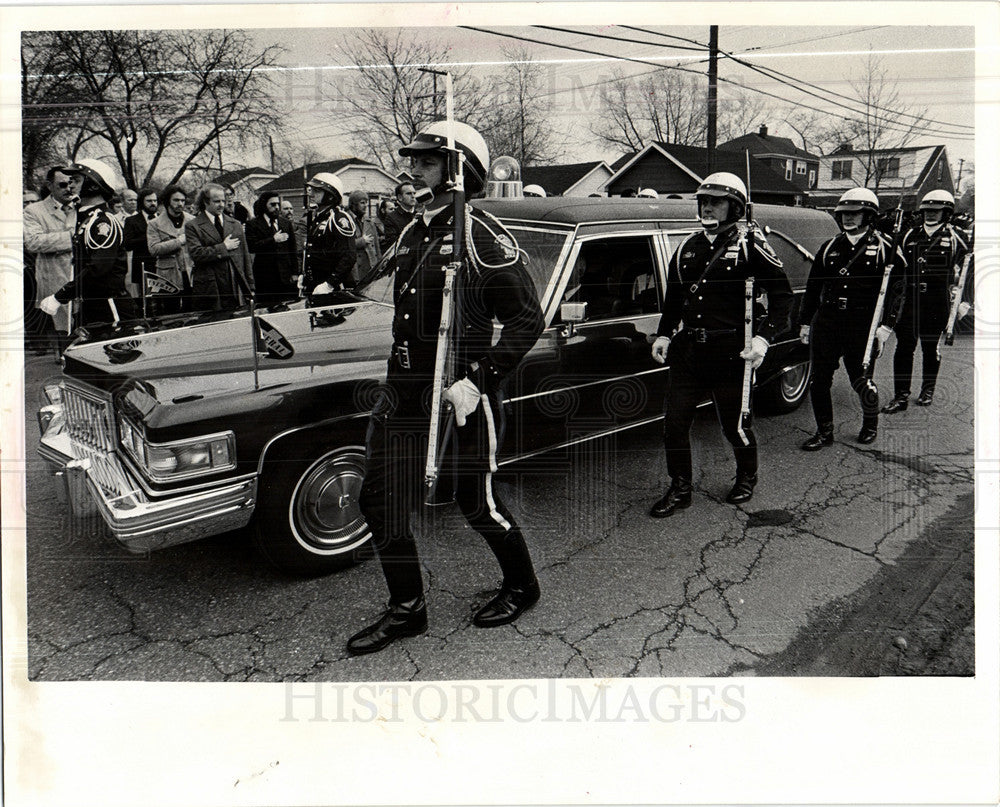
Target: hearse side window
pixel 543 248
pixel 615 277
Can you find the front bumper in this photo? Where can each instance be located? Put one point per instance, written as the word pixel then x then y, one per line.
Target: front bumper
pixel 94 482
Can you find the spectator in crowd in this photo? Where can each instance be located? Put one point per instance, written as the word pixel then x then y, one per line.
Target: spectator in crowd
pixel 99 278
pixel 406 209
pixel 48 235
pixel 234 208
pixel 135 241
pixel 168 246
pixel 298 228
pixel 33 318
pixel 288 209
pixel 271 241
pixel 366 242
pixel 218 250
pixel 130 202
pixel 115 208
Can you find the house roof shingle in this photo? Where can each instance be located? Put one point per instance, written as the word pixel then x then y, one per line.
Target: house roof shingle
pixel 232 177
pixel 557 179
pixel 292 180
pixel 756 143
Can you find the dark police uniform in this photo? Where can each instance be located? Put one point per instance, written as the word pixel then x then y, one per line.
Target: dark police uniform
pixel 839 303
pixel 931 262
pixel 496 286
pixel 100 277
pixel 704 356
pixel 330 251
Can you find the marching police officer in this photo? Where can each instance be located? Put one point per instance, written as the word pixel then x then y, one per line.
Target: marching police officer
pixel 838 308
pixel 493 286
pixel 706 290
pixel 99 261
pixel 330 250
pixel 934 250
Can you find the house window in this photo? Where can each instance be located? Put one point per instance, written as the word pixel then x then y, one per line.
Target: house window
pixel 800 168
pixel 887 167
pixel 812 179
pixel 841 169
pixel 788 169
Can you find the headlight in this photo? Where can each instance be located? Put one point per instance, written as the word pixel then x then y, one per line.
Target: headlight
pixel 179 459
pixel 53 393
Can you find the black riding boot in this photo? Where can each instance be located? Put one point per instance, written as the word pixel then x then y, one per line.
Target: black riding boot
pixel 822 438
pixel 519 590
pixel 401 619
pixel 677 497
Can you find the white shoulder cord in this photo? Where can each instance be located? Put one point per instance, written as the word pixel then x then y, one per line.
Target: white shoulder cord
pixel 474 253
pixel 115 233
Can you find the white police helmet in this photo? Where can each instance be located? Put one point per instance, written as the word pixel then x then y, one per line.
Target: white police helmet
pixel 648 193
pixel 938 200
pixel 534 190
pixel 467 140
pixel 724 185
pixel 98 174
pixel 329 183
pixel 855 200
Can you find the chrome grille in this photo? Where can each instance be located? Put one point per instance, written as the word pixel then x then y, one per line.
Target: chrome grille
pixel 89 418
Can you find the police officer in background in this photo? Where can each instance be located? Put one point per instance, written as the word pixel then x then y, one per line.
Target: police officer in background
pixel 100 265
pixel 838 308
pixel 706 291
pixel 493 285
pixel 330 250
pixel 934 251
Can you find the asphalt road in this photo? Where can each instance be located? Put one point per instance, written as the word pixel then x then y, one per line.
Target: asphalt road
pixel 788 584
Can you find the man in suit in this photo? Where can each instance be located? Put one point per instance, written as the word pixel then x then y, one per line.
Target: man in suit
pixel 218 250
pixel 271 241
pixel 48 235
pixel 135 240
pixel 405 210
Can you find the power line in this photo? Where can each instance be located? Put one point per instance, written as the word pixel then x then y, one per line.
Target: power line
pixel 772 73
pixel 699 73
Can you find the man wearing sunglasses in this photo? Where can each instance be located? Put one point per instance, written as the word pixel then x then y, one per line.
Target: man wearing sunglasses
pixel 48 235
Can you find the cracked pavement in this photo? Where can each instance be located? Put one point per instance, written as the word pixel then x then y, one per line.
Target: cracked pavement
pixel 713 590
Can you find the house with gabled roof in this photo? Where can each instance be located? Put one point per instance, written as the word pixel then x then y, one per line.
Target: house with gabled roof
pixel 673 170
pixel 246 182
pixel 911 172
pixel 573 179
pixel 780 154
pixel 355 173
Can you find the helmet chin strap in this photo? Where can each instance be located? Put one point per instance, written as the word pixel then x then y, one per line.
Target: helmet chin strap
pixel 711 225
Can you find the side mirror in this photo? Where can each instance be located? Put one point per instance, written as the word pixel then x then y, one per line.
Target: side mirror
pixel 573 312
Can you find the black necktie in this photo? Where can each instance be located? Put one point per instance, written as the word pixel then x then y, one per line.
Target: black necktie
pixel 218 225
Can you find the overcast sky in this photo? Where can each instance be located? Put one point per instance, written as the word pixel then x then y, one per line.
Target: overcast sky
pixel 934 69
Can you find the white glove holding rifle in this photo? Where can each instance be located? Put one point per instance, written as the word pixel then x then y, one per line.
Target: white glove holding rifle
pixel 756 352
pixel 463 395
pixel 804 332
pixel 882 334
pixel 50 305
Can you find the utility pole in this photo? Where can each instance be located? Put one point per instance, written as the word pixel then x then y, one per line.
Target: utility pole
pixel 713 98
pixel 958 182
pixel 270 143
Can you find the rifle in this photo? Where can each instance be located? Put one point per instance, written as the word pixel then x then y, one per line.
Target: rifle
pixel 747 321
pixel 449 326
pixel 76 306
pixel 957 291
pixel 305 280
pixel 867 362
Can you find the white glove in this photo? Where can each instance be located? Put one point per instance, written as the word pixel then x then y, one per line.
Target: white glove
pixel 963 310
pixel 50 305
pixel 323 288
pixel 660 349
pixel 882 334
pixel 804 334
pixel 464 396
pixel 755 353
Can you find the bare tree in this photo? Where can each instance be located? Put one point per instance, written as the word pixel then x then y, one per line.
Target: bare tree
pixel 390 99
pixel 884 123
pixel 666 106
pixel 158 101
pixel 741 111
pixel 519 121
